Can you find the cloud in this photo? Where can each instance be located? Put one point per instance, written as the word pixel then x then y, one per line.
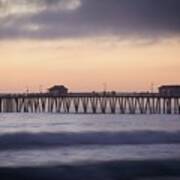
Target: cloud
pixel 49 19
pixel 26 7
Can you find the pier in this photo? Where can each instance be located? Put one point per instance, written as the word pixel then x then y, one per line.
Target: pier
pixel 95 103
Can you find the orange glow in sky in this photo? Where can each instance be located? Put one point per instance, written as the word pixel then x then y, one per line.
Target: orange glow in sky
pixel 86 64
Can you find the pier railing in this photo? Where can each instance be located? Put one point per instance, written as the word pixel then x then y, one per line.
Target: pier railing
pixel 96 103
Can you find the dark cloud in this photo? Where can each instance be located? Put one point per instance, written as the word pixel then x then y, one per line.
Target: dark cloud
pixel 121 18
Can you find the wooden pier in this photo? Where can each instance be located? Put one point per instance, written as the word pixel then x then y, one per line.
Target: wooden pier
pixel 95 103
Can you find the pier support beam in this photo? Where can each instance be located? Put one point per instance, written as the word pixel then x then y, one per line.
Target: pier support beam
pixel 124 104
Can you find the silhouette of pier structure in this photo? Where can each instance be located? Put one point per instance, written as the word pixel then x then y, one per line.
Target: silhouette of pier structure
pixel 95 103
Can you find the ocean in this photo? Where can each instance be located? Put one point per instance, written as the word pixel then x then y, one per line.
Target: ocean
pixel 77 146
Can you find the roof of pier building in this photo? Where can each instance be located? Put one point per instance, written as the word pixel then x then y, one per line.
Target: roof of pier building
pixel 58 89
pixel 170 87
pixel 170 90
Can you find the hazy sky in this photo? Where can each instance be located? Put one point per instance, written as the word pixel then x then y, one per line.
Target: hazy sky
pixel 127 44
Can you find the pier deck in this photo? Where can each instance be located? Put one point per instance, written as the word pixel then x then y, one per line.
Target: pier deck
pixel 96 103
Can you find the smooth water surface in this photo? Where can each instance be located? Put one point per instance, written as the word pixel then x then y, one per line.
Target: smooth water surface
pixel 46 140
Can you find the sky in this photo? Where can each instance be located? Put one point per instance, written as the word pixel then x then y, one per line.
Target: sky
pixel 87 45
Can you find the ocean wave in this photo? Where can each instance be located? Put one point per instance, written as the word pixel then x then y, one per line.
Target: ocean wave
pixel 42 140
pixel 126 170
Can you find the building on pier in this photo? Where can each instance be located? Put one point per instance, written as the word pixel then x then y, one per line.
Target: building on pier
pixel 58 90
pixel 170 90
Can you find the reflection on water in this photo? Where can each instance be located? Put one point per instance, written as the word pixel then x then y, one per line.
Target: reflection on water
pixel 72 155
pixel 51 140
pixel 10 123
